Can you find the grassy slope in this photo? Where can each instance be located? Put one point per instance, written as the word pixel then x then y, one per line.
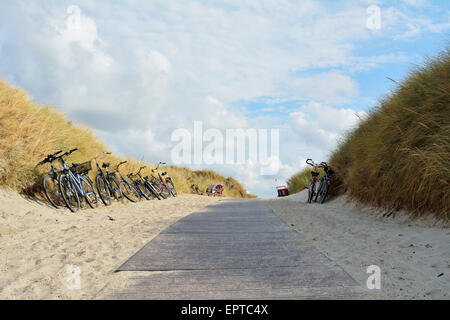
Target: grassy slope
pixel 399 156
pixel 28 132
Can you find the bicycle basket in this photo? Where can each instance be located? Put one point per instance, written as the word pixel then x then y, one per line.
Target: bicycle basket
pixel 82 168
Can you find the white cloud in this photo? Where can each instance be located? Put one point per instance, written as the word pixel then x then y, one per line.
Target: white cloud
pixel 319 126
pixel 332 87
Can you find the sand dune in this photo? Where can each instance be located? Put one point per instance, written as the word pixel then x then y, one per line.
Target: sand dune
pixel 414 255
pixel 38 243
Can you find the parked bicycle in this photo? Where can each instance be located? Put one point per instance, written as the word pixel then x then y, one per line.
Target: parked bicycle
pixel 155 190
pixel 325 182
pixel 127 189
pixel 166 182
pixel 73 184
pixel 50 181
pixel 139 186
pixel 156 182
pixel 106 184
pixel 195 189
pixel 314 177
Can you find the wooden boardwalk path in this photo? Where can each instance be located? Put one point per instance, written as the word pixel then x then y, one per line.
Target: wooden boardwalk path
pixel 237 249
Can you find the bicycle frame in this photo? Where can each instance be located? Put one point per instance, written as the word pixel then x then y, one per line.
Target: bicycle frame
pixel 136 184
pixel 163 180
pixel 76 180
pixel 99 168
pixel 313 182
pixel 121 176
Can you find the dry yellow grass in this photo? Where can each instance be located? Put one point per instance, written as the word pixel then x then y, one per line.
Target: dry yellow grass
pixel 28 132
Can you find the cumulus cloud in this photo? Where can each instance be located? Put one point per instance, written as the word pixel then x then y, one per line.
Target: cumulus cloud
pixel 319 125
pixel 332 87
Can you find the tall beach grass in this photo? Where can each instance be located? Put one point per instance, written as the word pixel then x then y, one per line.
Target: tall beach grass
pixel 399 155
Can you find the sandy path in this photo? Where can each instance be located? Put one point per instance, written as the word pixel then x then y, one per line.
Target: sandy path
pixel 37 243
pixel 414 256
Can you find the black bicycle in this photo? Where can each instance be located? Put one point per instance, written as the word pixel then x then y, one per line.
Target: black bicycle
pixel 50 181
pixel 107 183
pixel 325 182
pixel 138 183
pixel 314 177
pixel 155 191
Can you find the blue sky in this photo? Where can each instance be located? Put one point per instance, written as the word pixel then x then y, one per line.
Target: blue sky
pixel 137 70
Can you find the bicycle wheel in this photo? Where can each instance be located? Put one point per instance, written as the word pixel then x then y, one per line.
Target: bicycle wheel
pixel 68 193
pixel 52 192
pixel 324 192
pixel 89 193
pixel 311 190
pixel 165 193
pixel 153 190
pixel 115 189
pixel 129 192
pixel 319 190
pixel 173 191
pixel 144 191
pixel 158 188
pixel 103 190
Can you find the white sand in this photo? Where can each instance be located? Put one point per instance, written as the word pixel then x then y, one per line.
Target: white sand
pixel 37 243
pixel 411 253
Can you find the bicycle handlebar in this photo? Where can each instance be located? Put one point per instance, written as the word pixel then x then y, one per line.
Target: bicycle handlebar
pixel 55 154
pixel 68 153
pixel 310 162
pixel 50 158
pixel 119 164
pixel 163 163
pixel 140 169
pixel 323 164
pixel 100 154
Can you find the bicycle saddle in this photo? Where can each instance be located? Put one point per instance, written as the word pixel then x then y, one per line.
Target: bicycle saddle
pixel 164 173
pixel 76 164
pixel 105 164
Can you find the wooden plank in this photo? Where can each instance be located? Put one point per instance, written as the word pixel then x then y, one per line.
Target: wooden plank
pixel 234 250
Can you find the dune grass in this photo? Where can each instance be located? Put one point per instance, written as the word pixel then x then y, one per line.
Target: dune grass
pixel 399 155
pixel 28 132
